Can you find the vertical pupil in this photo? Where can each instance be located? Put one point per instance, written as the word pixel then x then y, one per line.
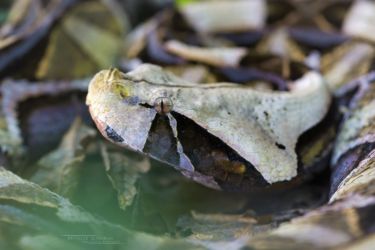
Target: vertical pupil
pixel 163 105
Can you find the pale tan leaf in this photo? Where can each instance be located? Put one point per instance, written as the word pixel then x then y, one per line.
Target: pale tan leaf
pixel 216 56
pixel 360 20
pixel 225 15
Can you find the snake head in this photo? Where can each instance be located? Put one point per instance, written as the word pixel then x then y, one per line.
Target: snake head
pixel 116 109
pixel 213 133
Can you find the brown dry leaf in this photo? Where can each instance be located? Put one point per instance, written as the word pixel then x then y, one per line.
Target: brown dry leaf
pixel 279 43
pixel 215 56
pixel 115 98
pixel 21 18
pixel 365 243
pixel 59 169
pixel 330 226
pixel 34 28
pixel 217 227
pixel 135 41
pixel 346 62
pixel 72 55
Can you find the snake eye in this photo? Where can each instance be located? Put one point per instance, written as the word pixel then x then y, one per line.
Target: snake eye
pixel 163 105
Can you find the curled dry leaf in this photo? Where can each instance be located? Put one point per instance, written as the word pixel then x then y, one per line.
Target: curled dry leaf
pixel 301 15
pixel 18 44
pixel 250 124
pixel 216 56
pixel 224 15
pixel 21 17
